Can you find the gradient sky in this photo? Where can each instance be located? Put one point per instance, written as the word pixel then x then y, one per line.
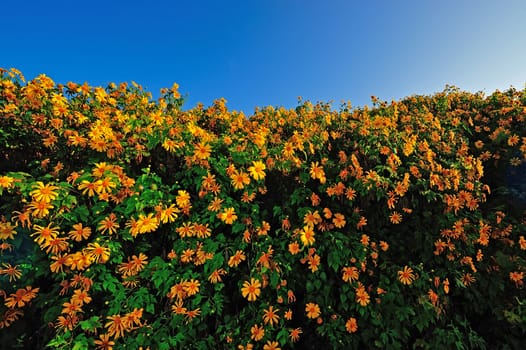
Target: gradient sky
pixel 269 52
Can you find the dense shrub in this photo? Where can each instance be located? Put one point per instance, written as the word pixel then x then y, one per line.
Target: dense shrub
pixel 128 222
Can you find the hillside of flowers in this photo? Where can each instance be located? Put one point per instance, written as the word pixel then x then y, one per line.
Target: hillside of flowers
pixel 127 222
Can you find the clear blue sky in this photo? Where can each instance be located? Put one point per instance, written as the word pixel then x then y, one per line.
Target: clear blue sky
pixel 269 52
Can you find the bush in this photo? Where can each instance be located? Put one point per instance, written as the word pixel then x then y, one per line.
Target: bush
pixel 128 222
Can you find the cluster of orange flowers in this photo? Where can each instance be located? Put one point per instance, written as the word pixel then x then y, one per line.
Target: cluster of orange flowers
pixel 336 183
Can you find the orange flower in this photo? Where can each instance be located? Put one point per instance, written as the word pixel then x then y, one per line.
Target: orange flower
pixel 294 334
pixel 351 325
pixel 215 276
pixel 350 274
pixel 182 199
pixel 312 310
pixel 513 140
pixel 294 248
pixel 270 316
pixel 271 345
pixel 58 264
pixel 314 262
pixel 239 179
pixel 191 314
pixel 80 297
pixel 12 271
pixel 79 232
pixel 191 287
pixel 395 217
pixel 251 290
pixel 109 224
pixel 362 297
pixel 406 275
pixel 169 214
pixel 257 332
pixel 104 342
pixel 21 297
pixel 288 315
pixel 517 278
pixel 312 218
pixel 116 326
pixel 7 231
pixel 236 259
pixel 338 220
pixel 361 223
pixel 178 309
pixel 350 194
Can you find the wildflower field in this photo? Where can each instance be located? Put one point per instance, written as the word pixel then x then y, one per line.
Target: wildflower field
pixel 130 223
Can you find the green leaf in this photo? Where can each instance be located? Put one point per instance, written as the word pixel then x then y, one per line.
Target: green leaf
pixel 90 324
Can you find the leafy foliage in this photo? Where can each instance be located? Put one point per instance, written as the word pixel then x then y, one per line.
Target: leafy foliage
pixel 128 222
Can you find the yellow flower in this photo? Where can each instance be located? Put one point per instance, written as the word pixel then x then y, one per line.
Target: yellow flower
pixel 257 170
pixel 228 216
pixel 307 236
pixel 251 290
pixel 97 253
pixel 104 186
pixel 44 193
pixel 45 234
pixel 202 150
pixel 169 214
pixel 87 187
pixel 6 181
pixel 317 172
pixel 182 199
pixel 147 223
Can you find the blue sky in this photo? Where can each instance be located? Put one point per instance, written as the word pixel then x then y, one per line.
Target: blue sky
pixel 269 52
